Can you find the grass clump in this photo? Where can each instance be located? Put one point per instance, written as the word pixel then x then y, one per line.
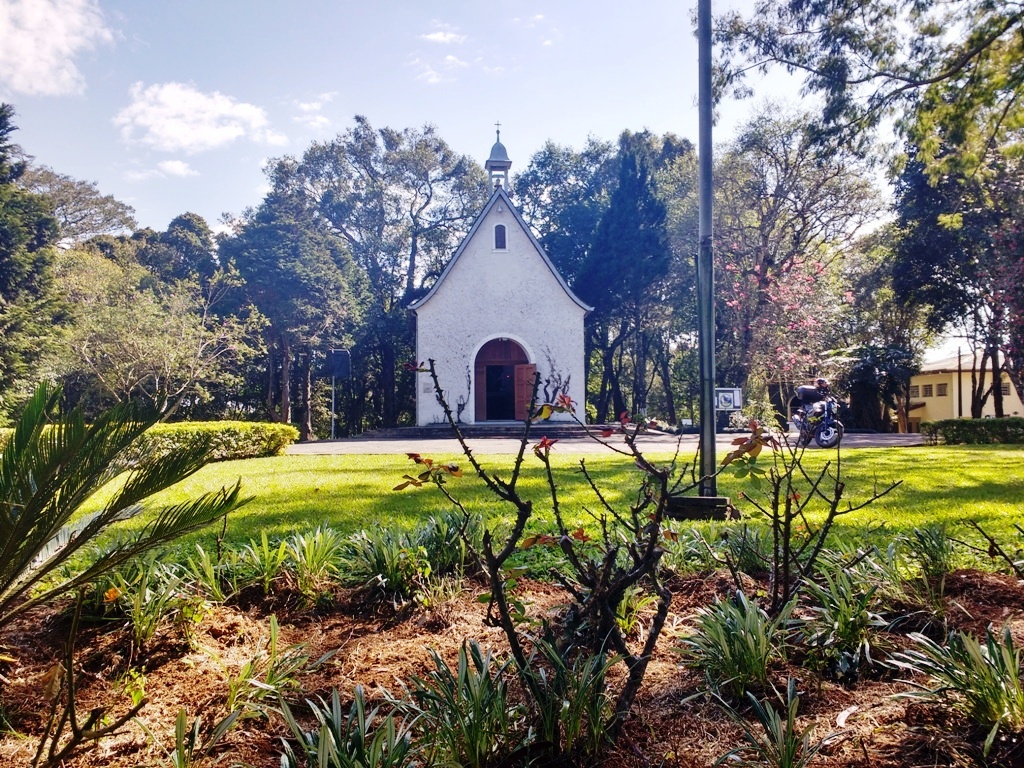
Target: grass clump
pixel 735 644
pixel 983 681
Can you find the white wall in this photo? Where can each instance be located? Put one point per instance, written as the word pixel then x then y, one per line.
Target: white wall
pixel 491 294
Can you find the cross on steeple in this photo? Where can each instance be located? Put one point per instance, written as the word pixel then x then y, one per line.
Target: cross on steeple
pixel 497 127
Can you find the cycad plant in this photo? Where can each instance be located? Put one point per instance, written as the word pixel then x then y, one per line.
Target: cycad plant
pixel 52 465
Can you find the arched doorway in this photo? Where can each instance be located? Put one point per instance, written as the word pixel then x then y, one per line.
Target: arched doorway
pixel 503 377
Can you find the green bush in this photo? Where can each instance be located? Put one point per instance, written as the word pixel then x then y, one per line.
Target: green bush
pixel 228 439
pixel 975 431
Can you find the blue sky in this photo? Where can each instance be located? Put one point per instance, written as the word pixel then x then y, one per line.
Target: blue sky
pixel 176 106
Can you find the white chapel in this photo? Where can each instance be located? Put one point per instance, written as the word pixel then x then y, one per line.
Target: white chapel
pixel 498 314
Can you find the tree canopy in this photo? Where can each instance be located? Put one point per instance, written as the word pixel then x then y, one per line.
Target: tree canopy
pixel 951 70
pixel 80 209
pixel 28 311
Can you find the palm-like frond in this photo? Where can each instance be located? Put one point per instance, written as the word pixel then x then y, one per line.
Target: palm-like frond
pixel 48 470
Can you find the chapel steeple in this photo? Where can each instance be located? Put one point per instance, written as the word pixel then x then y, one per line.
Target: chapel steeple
pixel 497 164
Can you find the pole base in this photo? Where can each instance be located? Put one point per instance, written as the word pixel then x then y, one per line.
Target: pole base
pixel 700 508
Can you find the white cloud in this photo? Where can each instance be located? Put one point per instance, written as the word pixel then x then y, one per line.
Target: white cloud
pixel 430 75
pixel 453 61
pixel 176 168
pixel 178 117
pixel 165 168
pixel 529 22
pixel 151 173
pixel 316 122
pixel 443 34
pixel 444 38
pixel 42 38
pixel 309 112
pixel 317 104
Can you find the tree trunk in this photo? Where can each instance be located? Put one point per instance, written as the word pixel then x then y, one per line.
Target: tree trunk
pixel 272 413
pixel 639 370
pixel 286 381
pixel 979 391
pixel 387 382
pixel 663 363
pixel 612 372
pixel 306 425
pixel 997 383
pixel 777 396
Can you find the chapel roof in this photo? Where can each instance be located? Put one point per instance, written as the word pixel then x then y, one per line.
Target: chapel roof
pixel 500 196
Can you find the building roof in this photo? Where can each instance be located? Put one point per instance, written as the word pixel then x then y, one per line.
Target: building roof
pixel 951 364
pixel 945 364
pixel 500 195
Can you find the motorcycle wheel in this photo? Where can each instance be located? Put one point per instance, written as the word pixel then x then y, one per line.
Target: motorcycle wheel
pixel 828 435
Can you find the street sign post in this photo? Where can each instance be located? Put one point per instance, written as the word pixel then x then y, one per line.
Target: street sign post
pixel 340 362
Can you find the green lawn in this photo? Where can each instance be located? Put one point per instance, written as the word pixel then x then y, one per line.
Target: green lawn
pixel 944 483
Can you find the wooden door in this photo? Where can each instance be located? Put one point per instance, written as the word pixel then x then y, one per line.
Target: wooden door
pixel 525 375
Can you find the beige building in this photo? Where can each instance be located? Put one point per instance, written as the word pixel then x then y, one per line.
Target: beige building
pixel 942 390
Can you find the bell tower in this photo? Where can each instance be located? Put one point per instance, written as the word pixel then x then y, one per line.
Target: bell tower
pixel 497 164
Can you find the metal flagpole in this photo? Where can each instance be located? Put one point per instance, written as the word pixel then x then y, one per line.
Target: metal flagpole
pixel 705 262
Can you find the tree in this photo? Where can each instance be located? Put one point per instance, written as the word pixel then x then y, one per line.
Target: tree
pixel 79 207
pixel 562 194
pixel 12 164
pixel 953 69
pixel 185 251
pixel 885 337
pixel 401 201
pixel 602 216
pixel 625 274
pixel 304 281
pixel 950 259
pixel 133 338
pixel 1009 241
pixel 784 218
pixel 28 310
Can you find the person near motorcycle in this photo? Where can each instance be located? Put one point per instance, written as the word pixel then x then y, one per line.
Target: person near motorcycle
pixel 808 395
pixel 814 415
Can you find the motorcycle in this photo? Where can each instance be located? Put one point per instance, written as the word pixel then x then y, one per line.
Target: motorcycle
pixel 819 422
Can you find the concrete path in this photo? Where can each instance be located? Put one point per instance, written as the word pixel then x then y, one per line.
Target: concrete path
pixel 499 445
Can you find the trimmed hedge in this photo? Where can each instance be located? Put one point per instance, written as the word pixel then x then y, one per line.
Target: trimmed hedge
pixel 975 431
pixel 229 439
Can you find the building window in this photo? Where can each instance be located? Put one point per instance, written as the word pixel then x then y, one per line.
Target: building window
pixel 926 390
pixel 915 391
pixel 1005 387
pixel 941 390
pixel 499 237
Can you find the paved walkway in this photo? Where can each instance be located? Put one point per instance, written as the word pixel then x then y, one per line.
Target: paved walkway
pixel 499 445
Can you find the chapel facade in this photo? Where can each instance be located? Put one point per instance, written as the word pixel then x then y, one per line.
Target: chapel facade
pixel 499 313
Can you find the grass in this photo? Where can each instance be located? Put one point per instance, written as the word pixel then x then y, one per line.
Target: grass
pixel 350 493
